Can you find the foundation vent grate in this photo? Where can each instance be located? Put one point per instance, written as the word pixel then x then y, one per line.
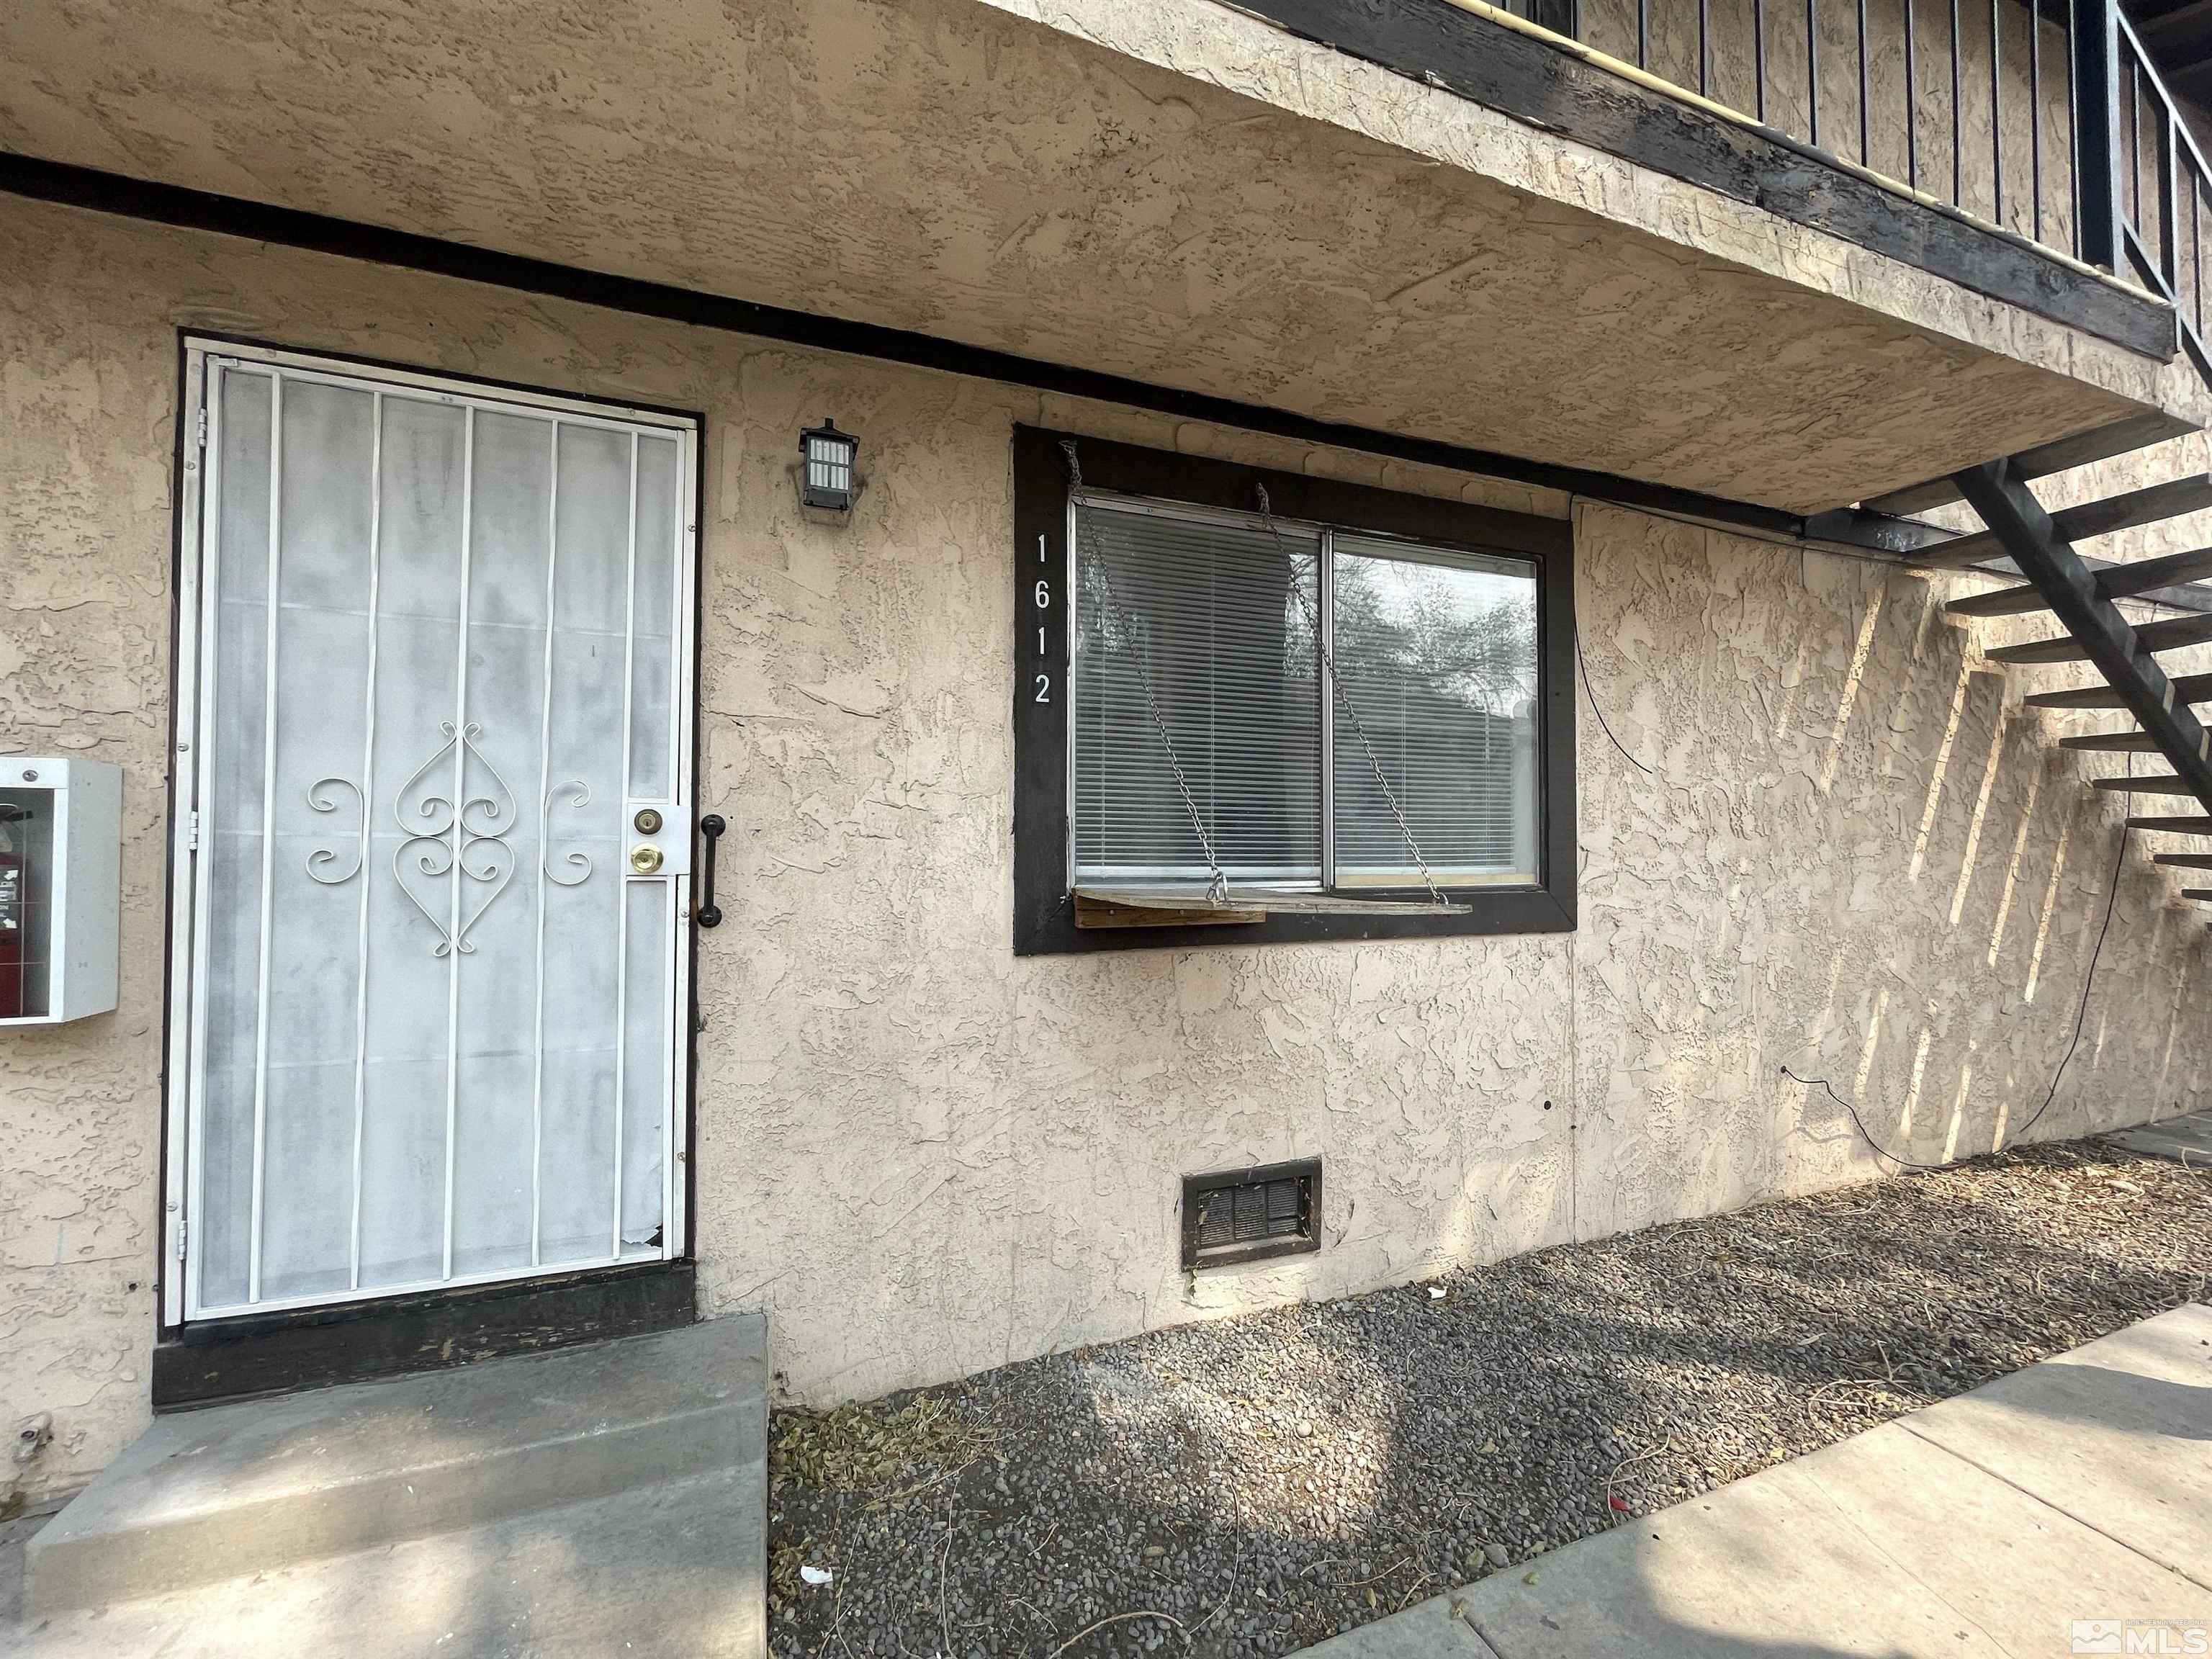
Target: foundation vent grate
pixel 1243 1215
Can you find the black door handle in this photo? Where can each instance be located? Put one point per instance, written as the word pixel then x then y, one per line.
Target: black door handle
pixel 710 913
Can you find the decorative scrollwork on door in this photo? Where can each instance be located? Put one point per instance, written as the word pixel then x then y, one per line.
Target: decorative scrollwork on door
pixel 441 840
pixel 320 861
pixel 580 862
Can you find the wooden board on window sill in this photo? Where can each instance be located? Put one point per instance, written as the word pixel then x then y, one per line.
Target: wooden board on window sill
pixel 1098 910
pixel 1184 907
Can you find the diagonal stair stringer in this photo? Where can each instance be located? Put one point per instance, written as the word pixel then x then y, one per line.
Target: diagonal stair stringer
pixel 2045 556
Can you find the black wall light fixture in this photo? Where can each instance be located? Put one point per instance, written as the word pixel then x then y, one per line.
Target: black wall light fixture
pixel 827 480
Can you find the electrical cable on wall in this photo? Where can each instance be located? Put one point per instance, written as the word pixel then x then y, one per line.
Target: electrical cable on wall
pixel 2081 1012
pixel 1603 725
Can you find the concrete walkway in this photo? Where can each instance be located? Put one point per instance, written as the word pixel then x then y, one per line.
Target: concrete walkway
pixel 2186 1140
pixel 2077 1490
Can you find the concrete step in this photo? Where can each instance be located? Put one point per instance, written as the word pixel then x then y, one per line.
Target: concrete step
pixel 676 1569
pixel 210 1495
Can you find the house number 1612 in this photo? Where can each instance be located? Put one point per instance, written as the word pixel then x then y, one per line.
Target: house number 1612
pixel 1042 595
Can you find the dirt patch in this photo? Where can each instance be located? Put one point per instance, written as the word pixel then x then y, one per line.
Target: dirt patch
pixel 1248 1487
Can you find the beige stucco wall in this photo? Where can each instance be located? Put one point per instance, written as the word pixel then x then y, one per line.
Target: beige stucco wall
pixel 922 1156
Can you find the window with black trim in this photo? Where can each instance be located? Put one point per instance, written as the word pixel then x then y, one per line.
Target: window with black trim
pixel 1257 705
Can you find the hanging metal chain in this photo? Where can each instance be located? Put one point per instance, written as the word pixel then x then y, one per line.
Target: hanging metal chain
pixel 1217 891
pixel 1344 698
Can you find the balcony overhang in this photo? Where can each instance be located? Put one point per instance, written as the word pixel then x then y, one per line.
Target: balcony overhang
pixel 1167 190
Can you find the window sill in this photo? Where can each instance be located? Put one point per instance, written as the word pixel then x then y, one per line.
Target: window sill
pixel 1178 905
pixel 1066 928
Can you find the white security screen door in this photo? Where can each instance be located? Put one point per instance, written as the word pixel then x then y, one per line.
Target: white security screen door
pixel 431 953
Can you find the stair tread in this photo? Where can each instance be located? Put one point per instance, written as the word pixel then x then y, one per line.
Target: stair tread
pixel 2183 861
pixel 2115 742
pixel 2187 689
pixel 2173 825
pixel 2150 504
pixel 2114 581
pixel 2143 575
pixel 2171 634
pixel 2098 444
pixel 2164 783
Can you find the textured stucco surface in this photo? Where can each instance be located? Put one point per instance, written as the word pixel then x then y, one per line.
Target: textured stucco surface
pixel 1855 855
pixel 1168 189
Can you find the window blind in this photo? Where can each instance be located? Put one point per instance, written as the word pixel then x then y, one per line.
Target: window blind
pixel 1437 653
pixel 1203 613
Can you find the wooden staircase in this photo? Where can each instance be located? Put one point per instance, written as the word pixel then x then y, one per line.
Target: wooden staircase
pixel 2021 536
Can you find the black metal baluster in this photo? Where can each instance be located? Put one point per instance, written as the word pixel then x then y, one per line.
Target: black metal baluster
pixel 2035 113
pixel 1996 112
pixel 1812 67
pixel 2134 214
pixel 1958 144
pixel 1864 153
pixel 1758 58
pixel 2073 156
pixel 2169 204
pixel 2196 248
pixel 1704 48
pixel 1644 34
pixel 1912 105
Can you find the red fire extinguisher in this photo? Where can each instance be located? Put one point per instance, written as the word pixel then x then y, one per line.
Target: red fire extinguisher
pixel 12 878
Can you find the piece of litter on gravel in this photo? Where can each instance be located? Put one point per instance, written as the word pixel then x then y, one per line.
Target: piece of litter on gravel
pixel 1436 1292
pixel 817 1576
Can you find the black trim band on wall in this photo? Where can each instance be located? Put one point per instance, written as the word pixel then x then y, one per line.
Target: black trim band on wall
pixel 1044 905
pixel 1521 76
pixel 68 186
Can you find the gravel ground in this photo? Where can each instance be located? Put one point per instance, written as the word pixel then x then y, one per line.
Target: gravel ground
pixel 1251 1485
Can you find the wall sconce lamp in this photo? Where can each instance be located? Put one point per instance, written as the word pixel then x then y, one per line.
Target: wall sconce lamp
pixel 826 478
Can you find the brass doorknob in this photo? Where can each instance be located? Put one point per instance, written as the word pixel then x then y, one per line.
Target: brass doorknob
pixel 645 858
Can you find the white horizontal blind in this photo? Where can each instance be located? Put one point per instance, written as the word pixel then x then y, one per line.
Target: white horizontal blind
pixel 1202 609
pixel 1437 653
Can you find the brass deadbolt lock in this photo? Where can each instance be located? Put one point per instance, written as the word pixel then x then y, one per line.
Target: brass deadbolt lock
pixel 645 860
pixel 647 821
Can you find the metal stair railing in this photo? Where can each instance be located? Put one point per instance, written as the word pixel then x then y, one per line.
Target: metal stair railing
pixel 2159 236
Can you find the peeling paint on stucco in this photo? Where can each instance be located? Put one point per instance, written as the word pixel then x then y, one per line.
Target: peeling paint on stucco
pixel 923 1156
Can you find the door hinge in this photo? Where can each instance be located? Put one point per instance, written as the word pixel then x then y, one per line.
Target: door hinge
pixel 193 830
pixel 184 1227
pixel 202 427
